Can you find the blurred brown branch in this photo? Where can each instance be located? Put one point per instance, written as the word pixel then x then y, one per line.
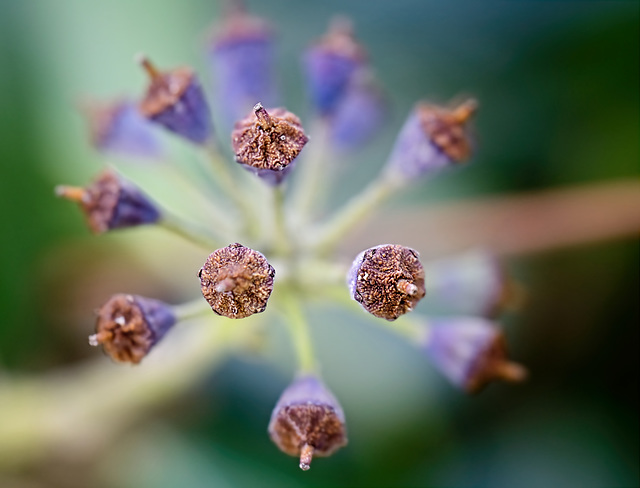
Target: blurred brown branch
pixel 513 224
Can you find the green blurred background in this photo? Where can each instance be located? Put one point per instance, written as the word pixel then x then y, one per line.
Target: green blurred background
pixel 558 85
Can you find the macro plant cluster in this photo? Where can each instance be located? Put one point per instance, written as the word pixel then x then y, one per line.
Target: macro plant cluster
pixel 279 237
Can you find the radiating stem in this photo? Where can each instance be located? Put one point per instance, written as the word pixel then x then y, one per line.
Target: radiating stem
pixel 312 180
pixel 299 329
pixel 189 231
pixel 282 238
pixel 192 309
pixel 411 327
pixel 222 175
pixel 327 236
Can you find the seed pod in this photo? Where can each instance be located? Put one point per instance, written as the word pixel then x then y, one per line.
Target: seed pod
pixel 175 100
pixel 388 280
pixel 474 282
pixel 432 138
pixel 268 142
pixel 470 352
pixel 236 281
pixel 128 326
pixel 307 421
pixel 111 202
pixel 242 61
pixel 359 114
pixel 117 127
pixel 331 63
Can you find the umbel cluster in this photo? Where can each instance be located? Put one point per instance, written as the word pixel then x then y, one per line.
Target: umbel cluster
pixel 237 281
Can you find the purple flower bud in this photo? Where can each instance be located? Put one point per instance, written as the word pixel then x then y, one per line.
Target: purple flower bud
pixel 268 142
pixel 111 202
pixel 470 352
pixel 431 139
pixel 118 128
pixel 307 421
pixel 359 114
pixel 236 281
pixel 128 326
pixel 242 64
pixel 388 281
pixel 474 282
pixel 175 100
pixel 330 65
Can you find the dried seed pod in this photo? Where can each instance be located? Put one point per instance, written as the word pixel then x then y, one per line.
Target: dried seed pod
pixel 331 63
pixel 360 113
pixel 117 127
pixel 236 281
pixel 474 282
pixel 470 352
pixel 128 326
pixel 242 61
pixel 175 100
pixel 307 421
pixel 268 142
pixel 432 137
pixel 388 280
pixel 111 202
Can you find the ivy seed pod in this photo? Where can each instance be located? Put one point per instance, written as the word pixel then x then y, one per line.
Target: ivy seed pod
pixel 236 281
pixel 388 281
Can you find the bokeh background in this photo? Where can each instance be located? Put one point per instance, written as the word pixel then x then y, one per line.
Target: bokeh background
pixel 558 85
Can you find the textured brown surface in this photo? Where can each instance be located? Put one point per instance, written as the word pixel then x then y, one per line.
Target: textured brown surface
pixel 100 200
pixel 268 144
pixel 446 128
pixel 122 330
pixel 236 281
pixel 317 425
pixel 165 90
pixel 380 279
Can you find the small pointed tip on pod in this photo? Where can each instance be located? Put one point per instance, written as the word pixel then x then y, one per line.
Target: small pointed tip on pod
pixel 175 100
pixel 128 326
pixel 432 138
pixel 471 352
pixel 111 202
pixel 307 421
pixel 236 281
pixel 388 280
pixel 331 63
pixel 268 141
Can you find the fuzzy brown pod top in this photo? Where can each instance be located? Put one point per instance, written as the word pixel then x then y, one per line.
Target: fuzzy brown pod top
pixel 111 202
pixel 447 128
pixel 128 326
pixel 388 281
pixel 308 421
pixel 268 140
pixel 237 281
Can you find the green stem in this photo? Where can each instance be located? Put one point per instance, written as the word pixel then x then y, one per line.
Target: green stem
pixel 189 310
pixel 282 239
pixel 411 327
pixel 189 231
pixel 222 175
pixel 312 180
pixel 300 333
pixel 326 237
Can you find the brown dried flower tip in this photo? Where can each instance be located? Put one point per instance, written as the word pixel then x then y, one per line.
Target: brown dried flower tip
pixel 111 202
pixel 307 421
pixel 128 326
pixel 236 281
pixel 446 128
pixel 388 281
pixel 268 140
